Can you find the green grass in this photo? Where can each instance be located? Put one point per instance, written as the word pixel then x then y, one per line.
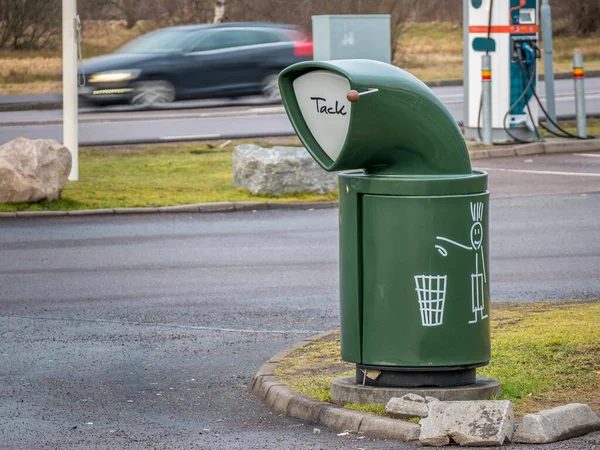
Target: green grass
pixel 543 354
pixel 434 51
pixel 171 174
pixel 369 408
pixel 311 368
pixel 156 175
pixel 593 128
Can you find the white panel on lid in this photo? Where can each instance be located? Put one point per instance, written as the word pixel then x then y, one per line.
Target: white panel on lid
pixel 321 96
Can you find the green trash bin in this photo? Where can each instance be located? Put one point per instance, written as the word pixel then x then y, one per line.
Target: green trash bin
pixel 414 272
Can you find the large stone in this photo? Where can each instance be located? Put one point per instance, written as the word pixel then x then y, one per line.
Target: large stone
pixel 470 423
pixel 410 405
pixel 432 428
pixel 33 170
pixel 279 170
pixel 563 422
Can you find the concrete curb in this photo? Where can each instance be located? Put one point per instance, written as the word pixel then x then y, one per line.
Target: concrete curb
pixel 30 106
pixel 280 399
pixel 552 146
pixel 548 147
pixel 219 207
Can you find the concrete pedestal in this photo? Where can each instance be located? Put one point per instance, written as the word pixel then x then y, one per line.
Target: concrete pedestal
pixel 346 390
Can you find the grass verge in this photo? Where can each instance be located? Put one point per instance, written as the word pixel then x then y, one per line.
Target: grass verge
pixel 434 51
pixel 172 174
pixel 593 128
pixel 158 175
pixel 543 354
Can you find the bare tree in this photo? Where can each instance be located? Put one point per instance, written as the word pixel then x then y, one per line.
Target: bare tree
pixel 126 9
pixel 200 11
pixel 220 11
pixel 29 23
pixel 300 12
pixel 584 15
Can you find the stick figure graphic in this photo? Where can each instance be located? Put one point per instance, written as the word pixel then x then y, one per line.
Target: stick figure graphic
pixel 479 277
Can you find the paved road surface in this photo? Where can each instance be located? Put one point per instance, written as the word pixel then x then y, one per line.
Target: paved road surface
pixel 145 331
pixel 127 125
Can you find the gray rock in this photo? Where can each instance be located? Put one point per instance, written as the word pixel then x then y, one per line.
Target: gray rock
pixel 413 398
pixel 432 428
pixel 410 405
pixel 279 170
pixel 475 423
pixel 33 170
pixel 563 422
pixel 431 399
pixel 386 428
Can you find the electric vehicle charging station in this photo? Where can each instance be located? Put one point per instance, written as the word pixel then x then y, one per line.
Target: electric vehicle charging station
pixel 414 281
pixel 507 30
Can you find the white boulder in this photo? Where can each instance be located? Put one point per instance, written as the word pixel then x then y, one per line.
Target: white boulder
pixel 279 170
pixel 33 170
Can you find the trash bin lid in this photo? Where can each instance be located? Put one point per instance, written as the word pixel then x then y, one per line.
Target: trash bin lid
pixel 414 185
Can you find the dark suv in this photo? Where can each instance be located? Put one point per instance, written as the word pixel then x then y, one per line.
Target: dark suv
pixel 196 61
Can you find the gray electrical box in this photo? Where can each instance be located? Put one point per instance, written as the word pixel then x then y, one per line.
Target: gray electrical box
pixel 352 37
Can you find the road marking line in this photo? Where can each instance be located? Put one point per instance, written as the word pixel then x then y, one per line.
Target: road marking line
pixel 248 112
pixel 591 155
pixel 198 136
pixel 544 172
pixel 567 99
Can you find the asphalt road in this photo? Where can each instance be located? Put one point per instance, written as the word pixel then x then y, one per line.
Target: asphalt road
pixel 203 120
pixel 145 331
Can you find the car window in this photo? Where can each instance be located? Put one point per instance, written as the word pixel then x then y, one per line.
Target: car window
pixel 254 37
pixel 160 41
pixel 206 41
pixel 223 39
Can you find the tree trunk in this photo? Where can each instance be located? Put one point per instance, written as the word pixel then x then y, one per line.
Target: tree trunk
pixel 130 10
pixel 219 11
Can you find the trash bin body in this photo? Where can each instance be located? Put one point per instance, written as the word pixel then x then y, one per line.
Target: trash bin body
pixel 419 295
pixel 414 272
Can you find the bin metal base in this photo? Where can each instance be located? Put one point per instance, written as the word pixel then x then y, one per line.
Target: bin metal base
pixel 415 376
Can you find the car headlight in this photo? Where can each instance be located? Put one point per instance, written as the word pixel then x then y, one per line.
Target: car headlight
pixel 114 76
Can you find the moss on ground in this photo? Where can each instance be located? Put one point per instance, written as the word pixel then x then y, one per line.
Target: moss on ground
pixel 543 354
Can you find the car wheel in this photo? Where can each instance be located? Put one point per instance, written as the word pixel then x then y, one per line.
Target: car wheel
pixel 270 87
pixel 154 92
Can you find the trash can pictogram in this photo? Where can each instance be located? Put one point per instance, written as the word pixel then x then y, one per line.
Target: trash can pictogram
pixel 431 290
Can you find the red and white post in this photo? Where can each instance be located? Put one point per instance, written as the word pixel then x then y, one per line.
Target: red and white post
pixel 579 95
pixel 486 99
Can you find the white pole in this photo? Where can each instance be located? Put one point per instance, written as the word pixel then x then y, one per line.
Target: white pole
pixel 70 137
pixel 546 17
